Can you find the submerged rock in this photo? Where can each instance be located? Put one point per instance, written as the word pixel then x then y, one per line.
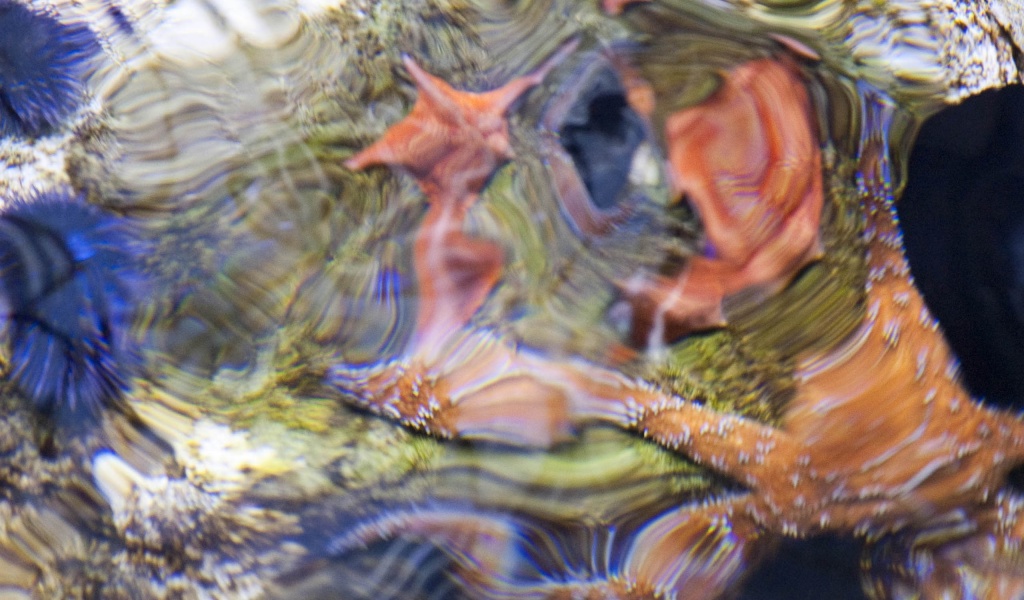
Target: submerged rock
pixel 616 307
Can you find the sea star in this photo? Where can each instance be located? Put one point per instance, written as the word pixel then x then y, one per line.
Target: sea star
pixel 451 142
pixel 748 161
pixel 881 436
pixel 452 381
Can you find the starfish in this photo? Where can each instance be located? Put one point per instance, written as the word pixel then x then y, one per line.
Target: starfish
pixel 452 381
pixel 748 161
pixel 452 141
pixel 933 461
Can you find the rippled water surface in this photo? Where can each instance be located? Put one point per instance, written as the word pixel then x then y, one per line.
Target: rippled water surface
pixel 483 299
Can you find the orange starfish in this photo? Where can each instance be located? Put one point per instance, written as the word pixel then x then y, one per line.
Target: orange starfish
pixel 452 141
pixel 748 161
pixel 452 380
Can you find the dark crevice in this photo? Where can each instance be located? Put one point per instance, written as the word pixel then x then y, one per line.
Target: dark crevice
pixel 825 566
pixel 1015 479
pixel 963 222
pixel 601 133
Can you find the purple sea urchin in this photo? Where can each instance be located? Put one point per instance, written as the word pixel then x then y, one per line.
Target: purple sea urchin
pixel 42 62
pixel 66 281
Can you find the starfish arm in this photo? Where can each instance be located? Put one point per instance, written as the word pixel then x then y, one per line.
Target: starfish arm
pixel 691 553
pixel 500 100
pixel 479 544
pixel 434 91
pixel 374 154
pixel 455 273
pixel 519 410
pixel 756 455
pixel 747 157
pixel 665 308
pixel 977 558
pixel 468 386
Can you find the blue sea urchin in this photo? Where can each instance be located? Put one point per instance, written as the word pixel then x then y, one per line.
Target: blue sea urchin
pixel 42 62
pixel 67 282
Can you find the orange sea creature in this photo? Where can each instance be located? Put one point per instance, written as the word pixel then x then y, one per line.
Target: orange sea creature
pixel 881 440
pixel 451 142
pixel 748 161
pixel 453 381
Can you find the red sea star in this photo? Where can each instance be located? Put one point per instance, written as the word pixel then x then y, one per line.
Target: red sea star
pixel 451 142
pixel 453 381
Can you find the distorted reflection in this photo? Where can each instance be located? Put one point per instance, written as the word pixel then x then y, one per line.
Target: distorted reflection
pixel 478 299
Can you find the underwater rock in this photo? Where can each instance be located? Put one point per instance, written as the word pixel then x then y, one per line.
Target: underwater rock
pixel 410 368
